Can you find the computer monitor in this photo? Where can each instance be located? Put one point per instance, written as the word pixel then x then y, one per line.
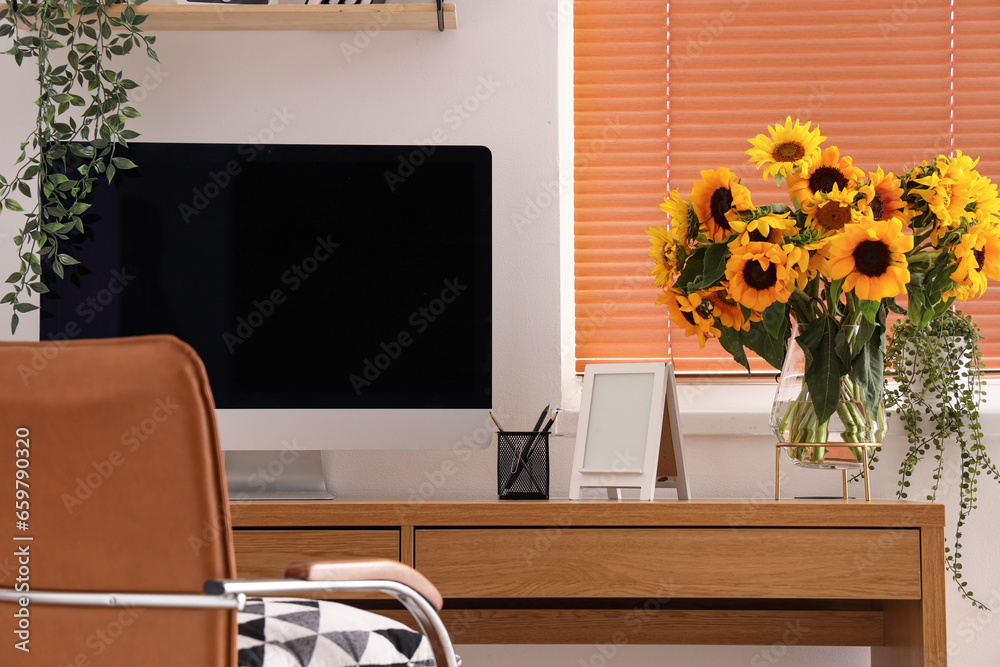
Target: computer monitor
pixel 340 296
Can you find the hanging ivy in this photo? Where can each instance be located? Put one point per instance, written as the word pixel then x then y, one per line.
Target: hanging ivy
pixel 82 111
pixel 937 395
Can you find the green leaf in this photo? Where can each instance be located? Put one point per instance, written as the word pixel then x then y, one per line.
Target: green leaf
pixel 14 319
pixel 731 343
pixel 771 349
pixel 66 259
pixel 39 287
pixel 130 112
pixel 775 320
pixel 14 277
pixel 7 298
pixel 865 331
pixel 12 204
pixel 24 188
pixel 123 163
pixel 868 370
pixel 713 268
pixel 916 309
pixel 25 307
pixel 693 268
pixel 824 364
pixel 870 309
pixel 86 152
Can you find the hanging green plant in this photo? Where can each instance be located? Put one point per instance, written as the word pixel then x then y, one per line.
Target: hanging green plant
pixel 937 369
pixel 82 110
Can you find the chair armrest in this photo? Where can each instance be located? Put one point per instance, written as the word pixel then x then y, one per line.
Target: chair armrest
pixel 412 589
pixel 366 569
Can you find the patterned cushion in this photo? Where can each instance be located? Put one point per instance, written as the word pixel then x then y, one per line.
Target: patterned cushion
pixel 289 632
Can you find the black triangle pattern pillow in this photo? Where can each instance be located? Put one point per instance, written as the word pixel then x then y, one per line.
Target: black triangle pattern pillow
pixel 289 632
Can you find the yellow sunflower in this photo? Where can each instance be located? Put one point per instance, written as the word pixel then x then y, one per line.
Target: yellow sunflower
pixel 886 196
pixel 716 198
pixel 689 313
pixel 983 193
pixel 727 312
pixel 830 211
pixel 978 256
pixel 824 173
pixel 949 187
pixel 807 260
pixel 758 275
pixel 870 256
pixel 678 209
pixel 663 250
pixel 789 149
pixel 771 228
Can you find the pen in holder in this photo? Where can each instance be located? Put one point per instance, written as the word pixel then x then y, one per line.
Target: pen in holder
pixel 523 465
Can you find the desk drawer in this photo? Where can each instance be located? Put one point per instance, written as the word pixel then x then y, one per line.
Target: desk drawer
pixel 671 562
pixel 266 553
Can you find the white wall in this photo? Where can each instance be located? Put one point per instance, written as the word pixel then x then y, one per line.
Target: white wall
pixel 399 88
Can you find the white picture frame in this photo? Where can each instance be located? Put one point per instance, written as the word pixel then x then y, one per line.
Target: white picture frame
pixel 628 429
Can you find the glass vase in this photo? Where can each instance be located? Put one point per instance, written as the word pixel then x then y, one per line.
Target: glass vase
pixel 793 417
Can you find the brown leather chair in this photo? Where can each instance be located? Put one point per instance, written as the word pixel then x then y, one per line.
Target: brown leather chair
pixel 116 547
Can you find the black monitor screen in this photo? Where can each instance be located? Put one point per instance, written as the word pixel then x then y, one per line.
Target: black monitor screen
pixel 304 276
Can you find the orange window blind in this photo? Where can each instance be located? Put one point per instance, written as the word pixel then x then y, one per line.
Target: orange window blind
pixel 665 90
pixel 977 130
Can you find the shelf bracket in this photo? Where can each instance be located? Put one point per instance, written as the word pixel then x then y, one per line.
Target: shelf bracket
pixel 440 6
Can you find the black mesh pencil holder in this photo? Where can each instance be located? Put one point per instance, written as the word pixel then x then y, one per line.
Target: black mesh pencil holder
pixel 522 465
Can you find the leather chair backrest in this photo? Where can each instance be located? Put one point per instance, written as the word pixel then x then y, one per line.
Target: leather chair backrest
pixel 123 490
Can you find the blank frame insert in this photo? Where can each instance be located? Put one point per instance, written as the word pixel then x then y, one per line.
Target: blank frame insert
pixel 617 433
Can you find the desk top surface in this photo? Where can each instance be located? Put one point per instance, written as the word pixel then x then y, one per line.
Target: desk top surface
pixel 490 512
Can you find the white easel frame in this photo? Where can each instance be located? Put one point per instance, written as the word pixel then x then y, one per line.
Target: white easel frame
pixel 672 422
pixel 662 401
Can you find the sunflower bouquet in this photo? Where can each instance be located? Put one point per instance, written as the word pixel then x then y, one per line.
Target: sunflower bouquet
pixel 833 263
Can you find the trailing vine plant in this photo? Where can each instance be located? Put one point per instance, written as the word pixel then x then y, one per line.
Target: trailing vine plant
pixel 82 110
pixel 938 391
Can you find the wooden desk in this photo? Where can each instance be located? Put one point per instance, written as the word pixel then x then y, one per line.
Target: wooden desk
pixel 760 572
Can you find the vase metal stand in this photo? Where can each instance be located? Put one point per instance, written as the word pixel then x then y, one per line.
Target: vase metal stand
pixel 864 468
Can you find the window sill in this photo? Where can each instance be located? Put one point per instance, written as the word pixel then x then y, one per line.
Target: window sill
pixel 744 410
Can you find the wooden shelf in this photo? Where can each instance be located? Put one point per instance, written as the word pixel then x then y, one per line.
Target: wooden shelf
pixel 296 17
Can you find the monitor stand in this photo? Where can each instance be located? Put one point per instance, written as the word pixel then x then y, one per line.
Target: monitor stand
pixel 275 475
